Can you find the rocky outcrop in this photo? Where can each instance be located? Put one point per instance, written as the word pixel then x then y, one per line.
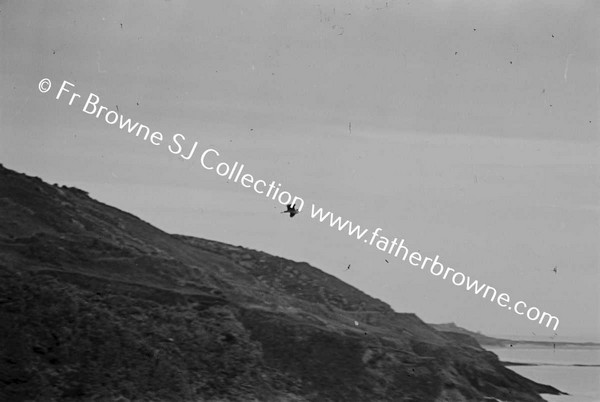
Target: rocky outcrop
pixel 96 304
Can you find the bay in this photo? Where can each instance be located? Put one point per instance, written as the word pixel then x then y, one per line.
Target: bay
pixel 570 369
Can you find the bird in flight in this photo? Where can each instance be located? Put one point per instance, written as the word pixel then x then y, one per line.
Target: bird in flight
pixel 555 269
pixel 291 209
pixel 348 267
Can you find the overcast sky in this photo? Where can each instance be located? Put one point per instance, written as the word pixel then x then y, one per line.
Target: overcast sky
pixel 474 134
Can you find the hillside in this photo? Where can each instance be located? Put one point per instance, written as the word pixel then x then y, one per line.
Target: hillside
pixel 96 304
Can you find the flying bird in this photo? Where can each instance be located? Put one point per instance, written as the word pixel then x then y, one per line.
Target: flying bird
pixel 291 209
pixel 348 267
pixel 555 269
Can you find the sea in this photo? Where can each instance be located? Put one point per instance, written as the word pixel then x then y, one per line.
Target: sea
pixel 574 370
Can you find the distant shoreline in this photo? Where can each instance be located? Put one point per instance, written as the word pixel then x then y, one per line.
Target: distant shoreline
pixel 508 363
pixel 506 343
pixel 490 341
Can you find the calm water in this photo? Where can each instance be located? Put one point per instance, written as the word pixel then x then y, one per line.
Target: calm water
pixel 556 369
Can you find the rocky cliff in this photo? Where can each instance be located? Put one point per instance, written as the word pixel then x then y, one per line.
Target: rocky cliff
pixel 96 304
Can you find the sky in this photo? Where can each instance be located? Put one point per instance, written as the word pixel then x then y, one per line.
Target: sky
pixel 468 128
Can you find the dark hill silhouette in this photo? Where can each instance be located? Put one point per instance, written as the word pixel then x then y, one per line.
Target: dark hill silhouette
pixel 485 340
pixel 96 304
pixel 482 339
